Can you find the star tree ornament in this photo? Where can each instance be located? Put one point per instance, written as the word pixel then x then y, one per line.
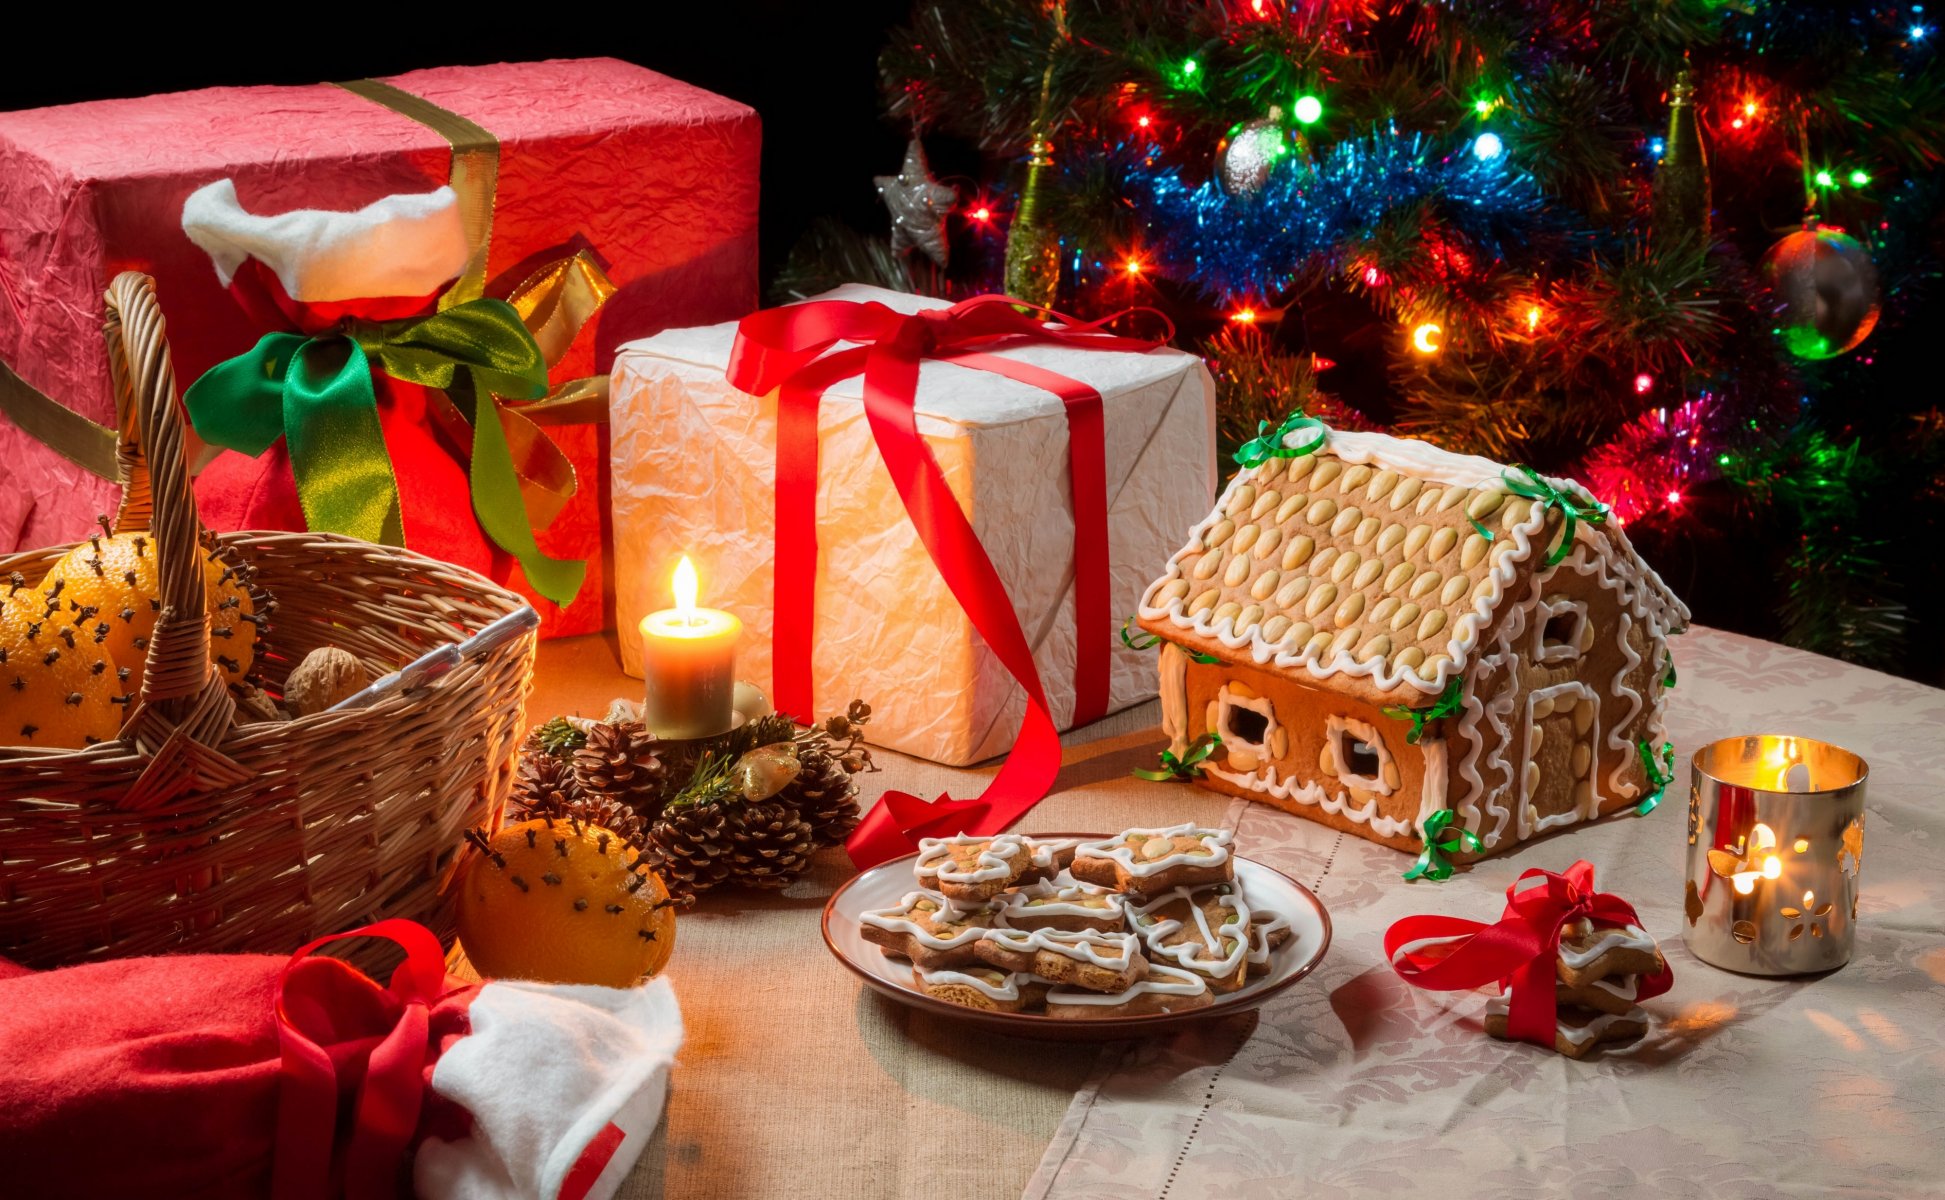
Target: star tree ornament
pixel 1826 291
pixel 918 204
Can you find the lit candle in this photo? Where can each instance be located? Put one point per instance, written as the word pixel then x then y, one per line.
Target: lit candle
pixel 689 664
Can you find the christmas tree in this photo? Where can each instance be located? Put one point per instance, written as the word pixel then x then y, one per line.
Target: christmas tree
pixel 1678 249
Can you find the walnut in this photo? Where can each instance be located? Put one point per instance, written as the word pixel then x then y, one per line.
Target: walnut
pixel 326 676
pixel 257 706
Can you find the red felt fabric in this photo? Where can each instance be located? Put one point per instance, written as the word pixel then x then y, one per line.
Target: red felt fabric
pixel 158 1077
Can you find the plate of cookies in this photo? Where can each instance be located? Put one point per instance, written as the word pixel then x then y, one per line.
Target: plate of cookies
pixel 1078 937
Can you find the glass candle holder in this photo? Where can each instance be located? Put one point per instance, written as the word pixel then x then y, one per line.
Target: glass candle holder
pixel 1775 844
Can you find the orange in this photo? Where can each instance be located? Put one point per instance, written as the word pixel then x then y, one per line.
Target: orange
pixel 541 900
pixel 58 689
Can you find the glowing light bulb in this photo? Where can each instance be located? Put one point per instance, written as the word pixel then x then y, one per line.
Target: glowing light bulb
pixel 1825 179
pixel 1750 108
pixel 1772 866
pixel 1308 109
pixel 1373 277
pixel 1917 33
pixel 1643 384
pixel 1674 495
pixel 1736 124
pixel 1487 146
pixel 1244 316
pixel 685 586
pixel 1190 66
pixel 1143 120
pixel 982 213
pixel 1859 178
pixel 1426 338
pixel 1533 316
pixel 1132 266
pixel 1483 106
pixel 1657 146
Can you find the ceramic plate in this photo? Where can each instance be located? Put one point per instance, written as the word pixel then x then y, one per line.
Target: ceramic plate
pixel 886 884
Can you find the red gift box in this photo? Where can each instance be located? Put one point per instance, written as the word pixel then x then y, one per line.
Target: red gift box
pixel 657 179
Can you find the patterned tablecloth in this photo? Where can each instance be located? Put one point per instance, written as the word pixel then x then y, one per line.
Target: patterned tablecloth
pixel 1352 1084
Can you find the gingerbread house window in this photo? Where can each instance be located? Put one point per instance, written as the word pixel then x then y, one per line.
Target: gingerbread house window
pixel 1361 758
pixel 1563 629
pixel 1357 755
pixel 1247 725
pixel 1245 721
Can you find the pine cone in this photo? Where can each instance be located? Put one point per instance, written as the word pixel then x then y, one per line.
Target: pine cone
pixel 688 846
pixel 770 845
pixel 538 776
pixel 620 763
pixel 824 795
pixel 612 815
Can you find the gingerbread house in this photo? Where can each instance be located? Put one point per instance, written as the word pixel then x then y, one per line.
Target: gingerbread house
pixel 1332 593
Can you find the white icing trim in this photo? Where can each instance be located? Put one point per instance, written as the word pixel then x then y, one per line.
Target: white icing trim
pixel 1267 781
pixel 1082 945
pixel 1007 991
pixel 994 862
pixel 1335 727
pixel 1185 954
pixel 898 920
pixel 1259 936
pixel 1162 980
pixel 1174 672
pixel 1431 793
pixel 1529 824
pixel 1014 905
pixel 1117 849
pixel 1627 989
pixel 1578 1035
pixel 1631 937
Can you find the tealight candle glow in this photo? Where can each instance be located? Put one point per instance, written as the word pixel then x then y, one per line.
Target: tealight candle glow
pixel 689 664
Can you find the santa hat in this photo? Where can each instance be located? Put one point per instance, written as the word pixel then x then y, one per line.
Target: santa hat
pixel 251 1076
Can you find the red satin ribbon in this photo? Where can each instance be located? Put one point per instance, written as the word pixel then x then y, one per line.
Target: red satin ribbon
pixel 1519 952
pixel 786 349
pixel 386 1073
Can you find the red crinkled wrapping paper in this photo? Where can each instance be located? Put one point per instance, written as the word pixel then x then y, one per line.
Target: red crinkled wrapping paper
pixel 659 177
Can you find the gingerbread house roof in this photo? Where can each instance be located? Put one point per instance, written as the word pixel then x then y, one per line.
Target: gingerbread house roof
pixel 1360 566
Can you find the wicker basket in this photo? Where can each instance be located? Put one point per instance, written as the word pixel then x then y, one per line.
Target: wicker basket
pixel 192 832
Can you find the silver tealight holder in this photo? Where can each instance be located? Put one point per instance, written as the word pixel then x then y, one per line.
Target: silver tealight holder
pixel 1775 843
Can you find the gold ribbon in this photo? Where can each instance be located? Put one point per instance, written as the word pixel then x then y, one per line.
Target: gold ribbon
pixel 58 427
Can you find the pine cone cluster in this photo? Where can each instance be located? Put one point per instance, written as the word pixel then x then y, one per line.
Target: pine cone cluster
pixel 749 808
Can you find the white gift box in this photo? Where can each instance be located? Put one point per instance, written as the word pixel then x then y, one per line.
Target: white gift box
pixel 695 468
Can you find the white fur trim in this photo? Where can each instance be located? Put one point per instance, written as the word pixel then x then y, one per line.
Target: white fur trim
pixel 545 1069
pixel 403 245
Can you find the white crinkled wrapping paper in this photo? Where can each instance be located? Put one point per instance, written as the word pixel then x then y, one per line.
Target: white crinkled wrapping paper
pixel 694 470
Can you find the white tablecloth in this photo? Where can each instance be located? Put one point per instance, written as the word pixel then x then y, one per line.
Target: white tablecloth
pixel 1352 1084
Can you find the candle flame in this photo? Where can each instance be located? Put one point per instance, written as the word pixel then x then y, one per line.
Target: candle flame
pixel 1772 867
pixel 686 587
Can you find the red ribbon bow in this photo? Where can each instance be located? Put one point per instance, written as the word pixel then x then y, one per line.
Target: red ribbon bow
pixel 791 349
pixel 1519 952
pixel 334 1040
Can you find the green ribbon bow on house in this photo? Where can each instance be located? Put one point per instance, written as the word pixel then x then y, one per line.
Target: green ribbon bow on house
pixel 1660 776
pixel 1268 444
pixel 1535 488
pixel 1148 641
pixel 1186 767
pixel 1448 704
pixel 316 393
pixel 1441 840
pixel 1668 680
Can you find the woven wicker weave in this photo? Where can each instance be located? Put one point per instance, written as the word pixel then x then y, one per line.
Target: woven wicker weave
pixel 195 833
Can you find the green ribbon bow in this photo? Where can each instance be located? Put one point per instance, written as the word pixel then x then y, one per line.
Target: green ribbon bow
pixel 1535 488
pixel 1186 767
pixel 1660 776
pixel 1668 680
pixel 1148 641
pixel 1441 840
pixel 316 393
pixel 1448 704
pixel 1267 444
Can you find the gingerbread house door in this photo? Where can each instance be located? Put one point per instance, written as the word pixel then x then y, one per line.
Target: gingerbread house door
pixel 1562 731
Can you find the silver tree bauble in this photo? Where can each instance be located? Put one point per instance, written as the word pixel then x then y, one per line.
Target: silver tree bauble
pixel 1826 291
pixel 1244 165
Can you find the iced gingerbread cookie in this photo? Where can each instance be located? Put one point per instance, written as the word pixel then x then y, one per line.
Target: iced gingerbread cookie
pixel 983 987
pixel 1099 962
pixel 1050 904
pixel 1576 1031
pixel 1161 989
pixel 1205 930
pixel 1612 995
pixel 1589 952
pixel 1148 862
pixel 970 870
pixel 928 929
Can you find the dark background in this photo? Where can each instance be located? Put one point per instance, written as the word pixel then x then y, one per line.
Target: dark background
pixel 809 68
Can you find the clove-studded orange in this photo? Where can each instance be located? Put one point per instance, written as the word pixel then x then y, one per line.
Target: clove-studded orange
pixel 107 590
pixel 58 690
pixel 562 901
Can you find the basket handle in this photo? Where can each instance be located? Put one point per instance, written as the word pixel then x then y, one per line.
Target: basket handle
pixel 181 687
